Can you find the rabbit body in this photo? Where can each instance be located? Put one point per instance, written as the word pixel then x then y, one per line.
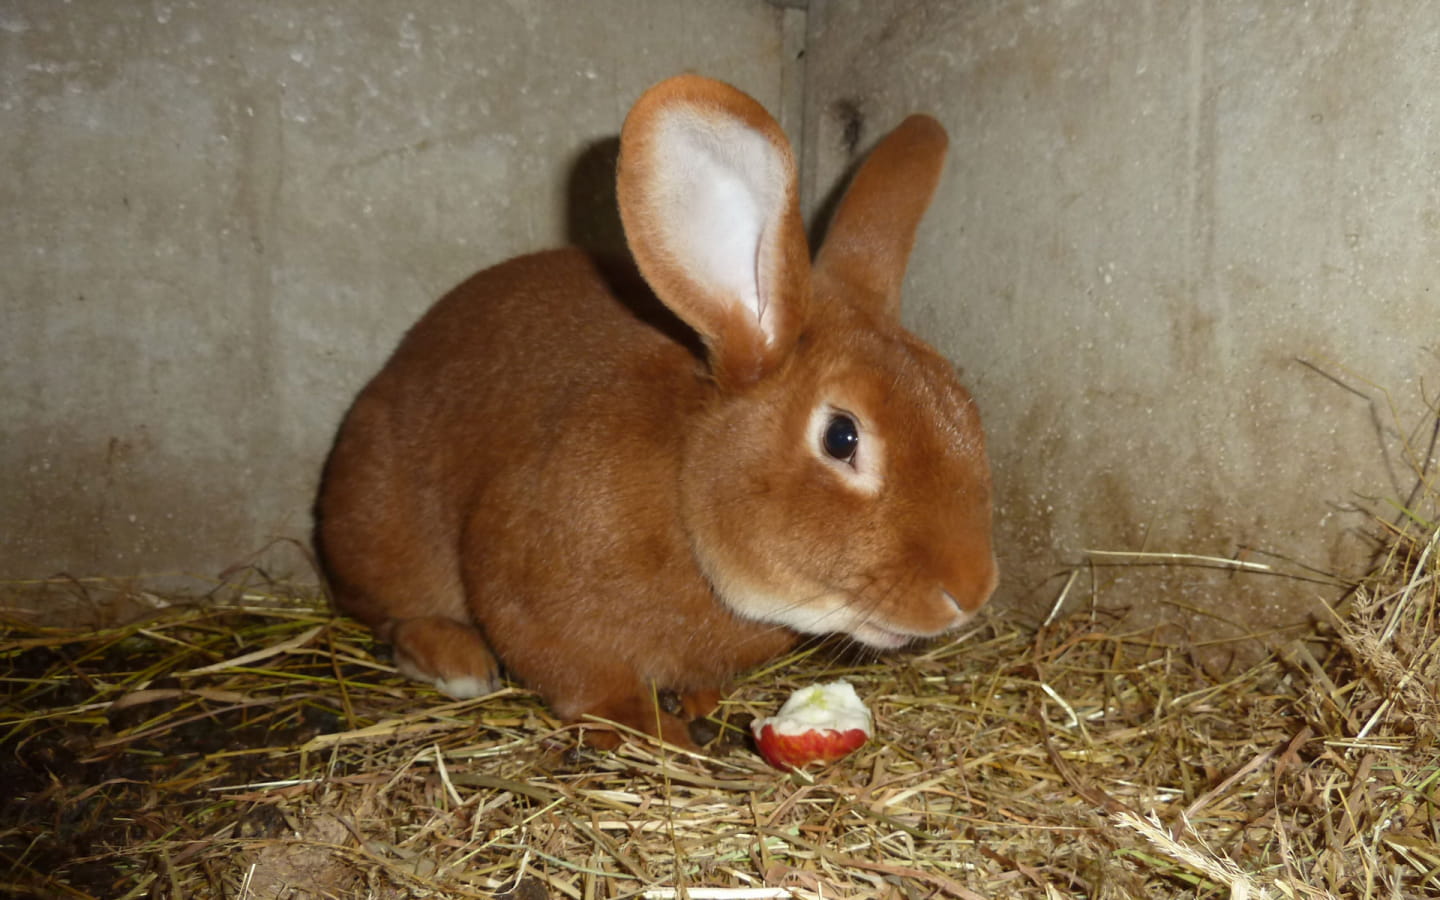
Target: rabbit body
pixel 610 497
pixel 507 456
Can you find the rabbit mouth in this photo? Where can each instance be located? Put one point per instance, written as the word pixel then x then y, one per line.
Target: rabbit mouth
pixel 884 637
pixel 880 638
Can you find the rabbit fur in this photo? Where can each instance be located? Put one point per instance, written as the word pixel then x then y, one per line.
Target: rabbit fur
pixel 611 497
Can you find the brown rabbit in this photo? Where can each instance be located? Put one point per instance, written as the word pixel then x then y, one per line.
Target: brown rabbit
pixel 558 478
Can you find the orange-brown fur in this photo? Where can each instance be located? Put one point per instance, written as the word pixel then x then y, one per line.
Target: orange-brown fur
pixel 552 474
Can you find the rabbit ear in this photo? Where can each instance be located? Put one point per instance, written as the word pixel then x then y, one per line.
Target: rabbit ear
pixel 872 232
pixel 707 194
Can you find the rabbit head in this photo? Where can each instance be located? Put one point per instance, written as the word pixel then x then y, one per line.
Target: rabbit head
pixel 837 481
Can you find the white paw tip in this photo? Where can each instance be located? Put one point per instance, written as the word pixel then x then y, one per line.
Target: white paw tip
pixel 464 687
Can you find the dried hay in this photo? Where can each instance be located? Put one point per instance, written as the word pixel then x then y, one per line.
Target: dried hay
pixel 255 748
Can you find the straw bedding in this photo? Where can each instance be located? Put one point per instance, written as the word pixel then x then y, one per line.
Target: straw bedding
pixel 257 747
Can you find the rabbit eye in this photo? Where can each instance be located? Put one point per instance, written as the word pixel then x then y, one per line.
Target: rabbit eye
pixel 841 438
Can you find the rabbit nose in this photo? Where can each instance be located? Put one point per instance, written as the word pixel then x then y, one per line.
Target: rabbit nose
pixel 969 591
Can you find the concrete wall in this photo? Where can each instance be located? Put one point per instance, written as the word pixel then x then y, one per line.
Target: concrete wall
pixel 217 218
pixel 1180 249
pixel 1188 255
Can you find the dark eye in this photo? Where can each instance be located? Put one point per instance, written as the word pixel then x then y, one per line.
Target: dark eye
pixel 841 437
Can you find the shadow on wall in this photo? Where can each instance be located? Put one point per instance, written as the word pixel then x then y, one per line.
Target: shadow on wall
pixel 592 223
pixel 592 217
pixel 851 129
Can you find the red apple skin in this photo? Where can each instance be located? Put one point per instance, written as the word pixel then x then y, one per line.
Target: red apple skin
pixel 795 751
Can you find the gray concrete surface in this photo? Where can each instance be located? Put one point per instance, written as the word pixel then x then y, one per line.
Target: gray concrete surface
pixel 1188 255
pixel 216 219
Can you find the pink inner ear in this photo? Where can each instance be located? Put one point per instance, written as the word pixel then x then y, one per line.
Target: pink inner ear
pixel 720 187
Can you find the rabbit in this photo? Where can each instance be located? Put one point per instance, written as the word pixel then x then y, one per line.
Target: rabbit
pixel 614 499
